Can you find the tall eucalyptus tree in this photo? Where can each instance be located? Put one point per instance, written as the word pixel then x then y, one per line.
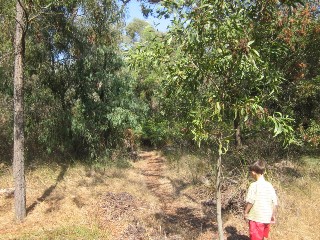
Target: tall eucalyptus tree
pixel 18 150
pixel 71 91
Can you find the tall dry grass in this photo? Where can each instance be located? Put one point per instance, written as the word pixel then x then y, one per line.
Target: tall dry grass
pixel 64 201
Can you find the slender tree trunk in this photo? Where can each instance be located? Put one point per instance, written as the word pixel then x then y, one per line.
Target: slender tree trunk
pixel 218 191
pixel 18 149
pixel 237 136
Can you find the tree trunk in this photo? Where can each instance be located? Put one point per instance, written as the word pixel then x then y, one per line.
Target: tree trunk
pixel 218 192
pixel 237 136
pixel 18 149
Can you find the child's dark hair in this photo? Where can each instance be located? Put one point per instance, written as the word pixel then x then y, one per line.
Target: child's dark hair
pixel 258 167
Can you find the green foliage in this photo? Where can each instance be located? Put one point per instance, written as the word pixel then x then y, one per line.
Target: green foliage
pixel 291 39
pixel 221 61
pixel 6 47
pixel 212 67
pixel 311 134
pixel 135 30
pixel 79 97
pixel 157 133
pixel 283 126
pixel 148 72
pixel 216 72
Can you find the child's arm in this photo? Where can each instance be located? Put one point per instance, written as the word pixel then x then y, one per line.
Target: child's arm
pixel 275 205
pixel 247 210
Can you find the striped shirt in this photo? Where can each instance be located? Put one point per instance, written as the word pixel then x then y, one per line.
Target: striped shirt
pixel 263 197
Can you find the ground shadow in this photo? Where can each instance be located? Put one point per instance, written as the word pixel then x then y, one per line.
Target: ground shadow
pixel 291 172
pixel 185 223
pixel 234 235
pixel 156 172
pixel 48 191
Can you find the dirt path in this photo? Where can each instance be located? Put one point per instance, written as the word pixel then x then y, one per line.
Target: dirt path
pixel 182 215
pixel 152 169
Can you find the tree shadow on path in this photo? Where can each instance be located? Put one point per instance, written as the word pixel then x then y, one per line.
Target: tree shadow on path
pixel 49 190
pixel 185 222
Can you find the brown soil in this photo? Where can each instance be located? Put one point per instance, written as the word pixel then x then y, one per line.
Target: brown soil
pixel 181 215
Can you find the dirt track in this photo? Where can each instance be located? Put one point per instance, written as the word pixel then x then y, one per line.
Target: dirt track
pixel 182 215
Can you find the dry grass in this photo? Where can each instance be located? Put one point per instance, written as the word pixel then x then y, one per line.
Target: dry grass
pixel 298 189
pixel 300 202
pixel 63 202
pixel 67 202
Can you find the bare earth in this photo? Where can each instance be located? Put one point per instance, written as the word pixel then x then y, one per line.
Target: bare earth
pixel 181 214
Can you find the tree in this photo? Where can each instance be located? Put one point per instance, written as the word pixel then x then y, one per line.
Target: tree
pixel 148 76
pixel 21 26
pixel 290 36
pixel 214 76
pixel 79 98
pixel 299 34
pixel 18 151
pixel 76 91
pixel 135 30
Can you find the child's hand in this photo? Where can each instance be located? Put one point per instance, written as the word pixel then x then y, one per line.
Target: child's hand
pixel 273 219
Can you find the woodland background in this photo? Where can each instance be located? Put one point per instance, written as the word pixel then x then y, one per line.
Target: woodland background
pixel 230 82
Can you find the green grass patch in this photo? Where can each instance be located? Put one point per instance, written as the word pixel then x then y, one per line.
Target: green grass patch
pixel 311 160
pixel 64 233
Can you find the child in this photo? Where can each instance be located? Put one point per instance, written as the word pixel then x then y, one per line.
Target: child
pixel 261 202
